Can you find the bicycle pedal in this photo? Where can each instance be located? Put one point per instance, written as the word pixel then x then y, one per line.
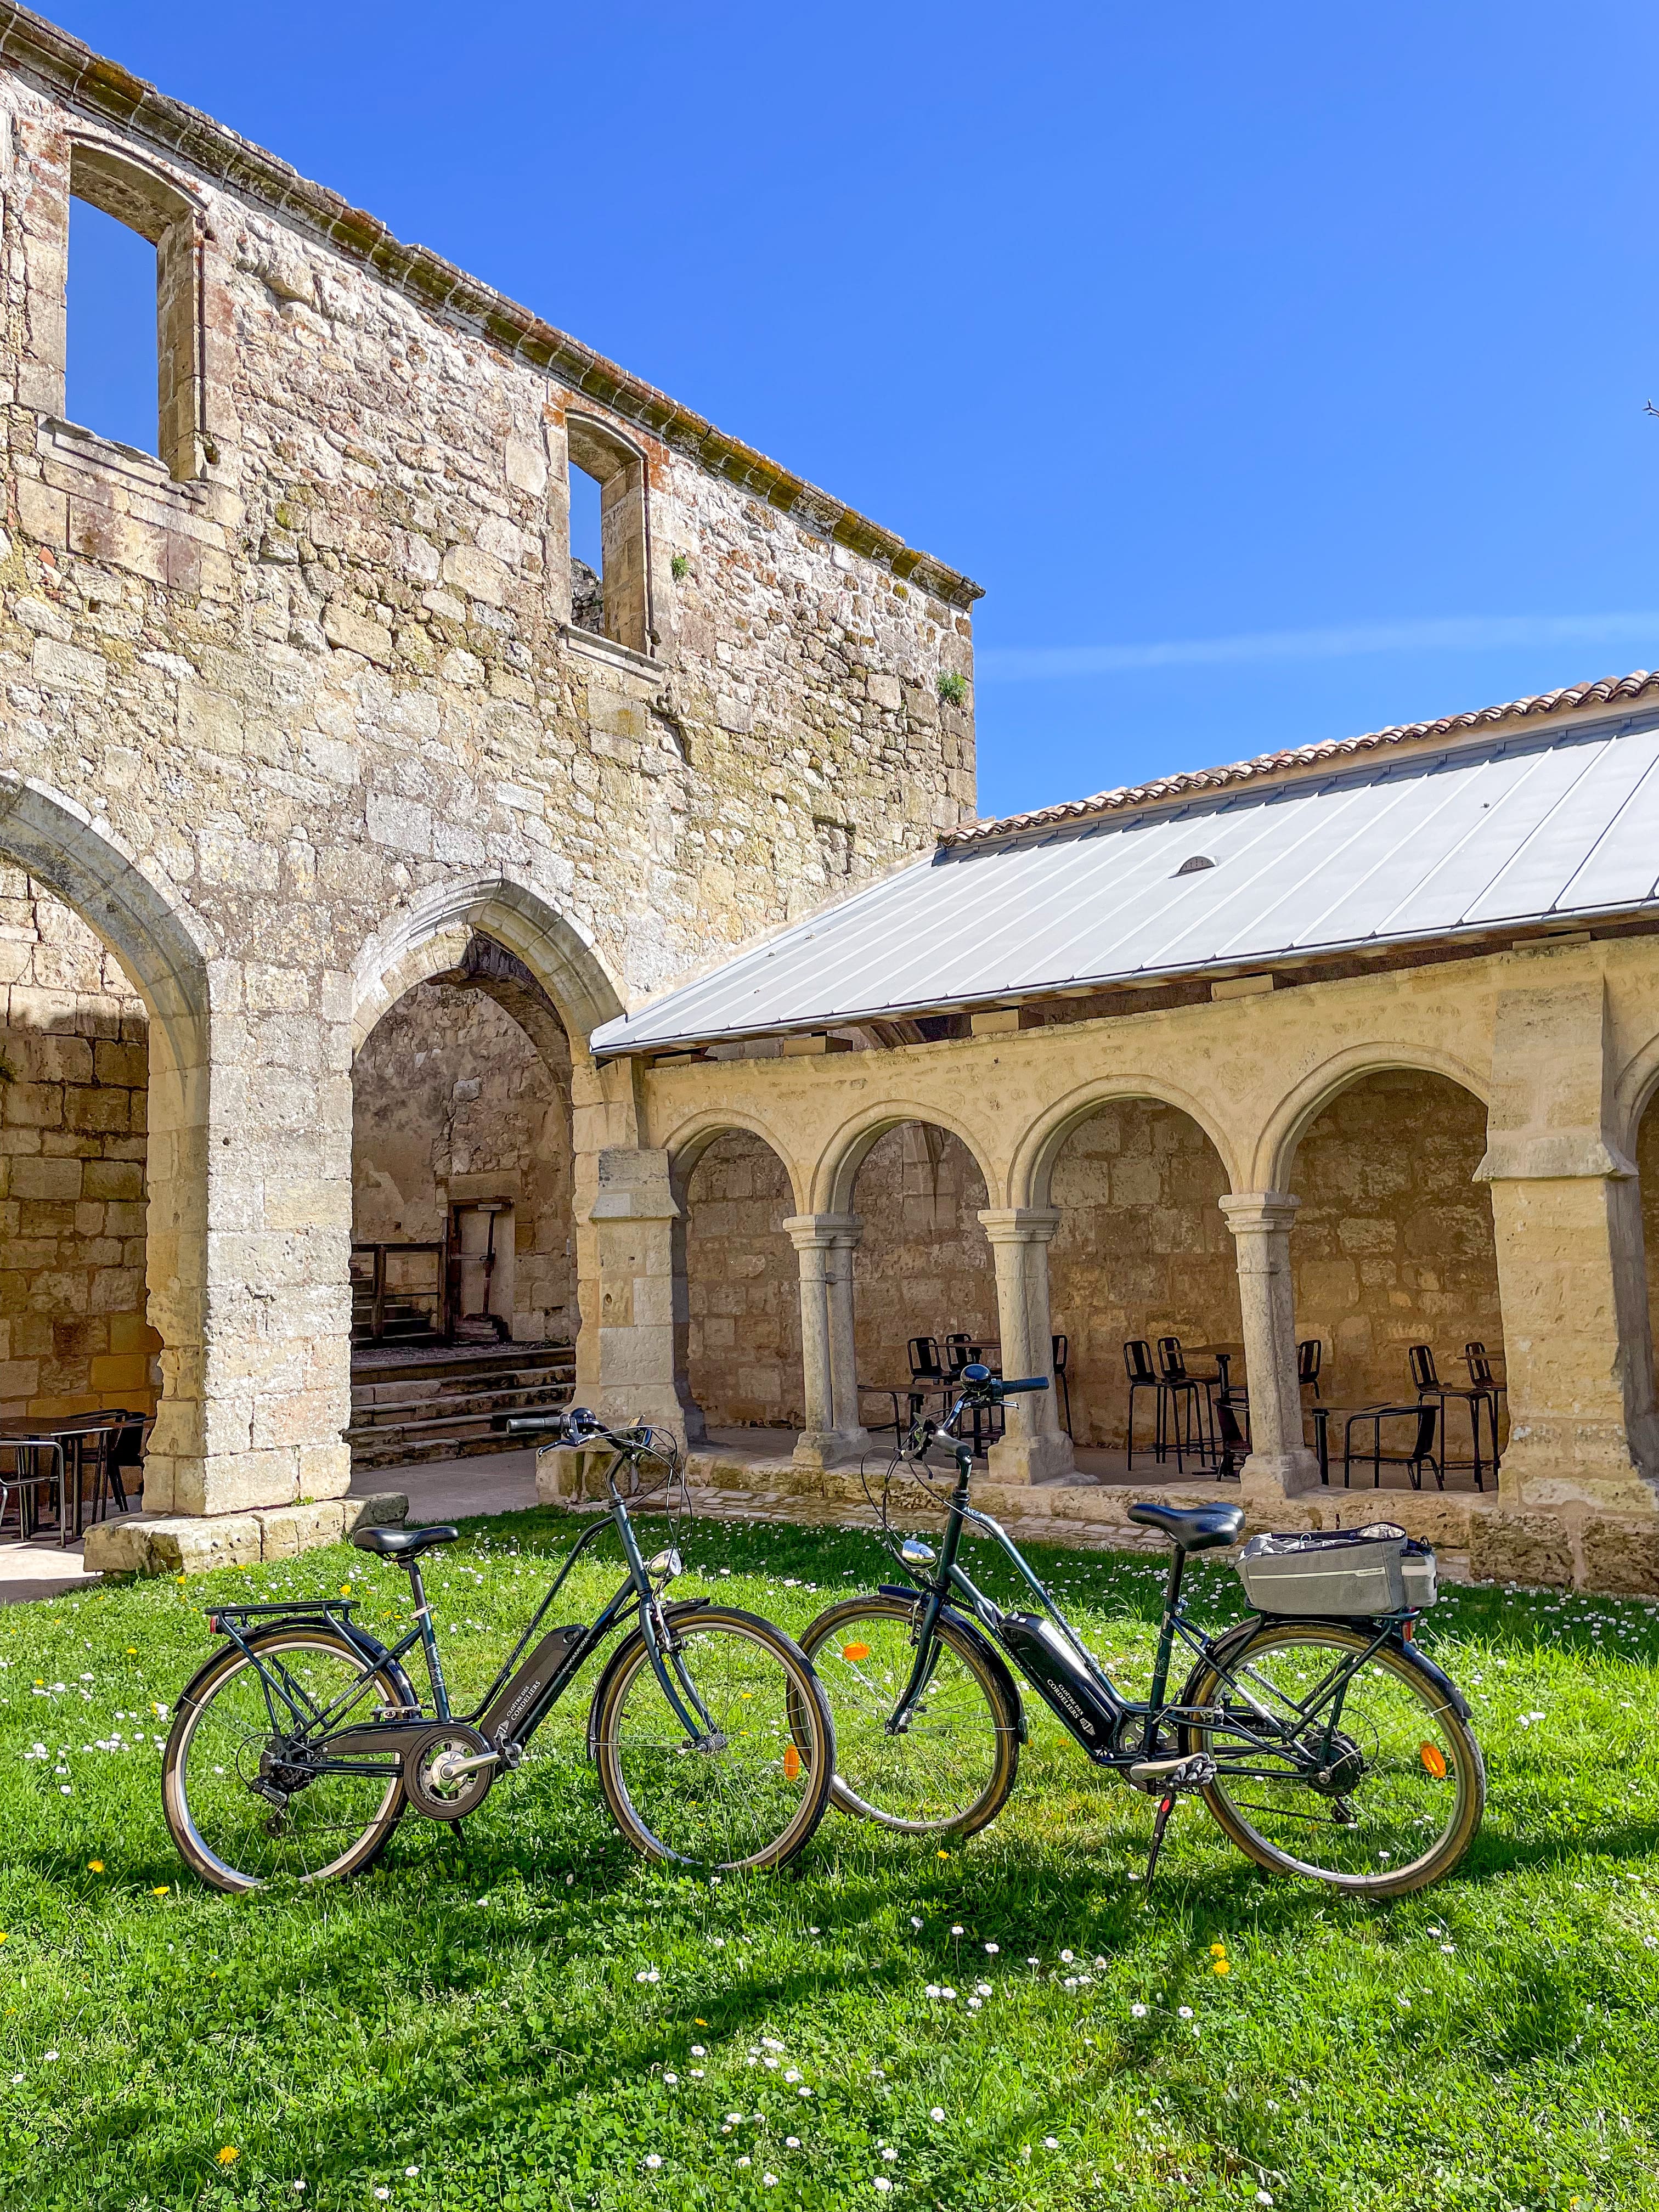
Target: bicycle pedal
pixel 1194 1770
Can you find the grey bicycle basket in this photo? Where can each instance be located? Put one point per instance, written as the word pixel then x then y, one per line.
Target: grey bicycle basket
pixel 1370 1571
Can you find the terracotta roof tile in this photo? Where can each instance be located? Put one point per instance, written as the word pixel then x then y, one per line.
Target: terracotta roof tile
pixel 1605 692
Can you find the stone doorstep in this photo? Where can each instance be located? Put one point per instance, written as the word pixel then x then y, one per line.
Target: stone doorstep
pixel 1477 1537
pixel 184 1543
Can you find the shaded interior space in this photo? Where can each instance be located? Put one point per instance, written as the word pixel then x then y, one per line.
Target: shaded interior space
pixel 74 1084
pixel 1142 1251
pixel 742 1355
pixel 463 1263
pixel 1394 1247
pixel 923 1265
pixel 1647 1164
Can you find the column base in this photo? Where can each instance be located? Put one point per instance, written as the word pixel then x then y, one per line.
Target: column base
pixel 1042 1458
pixel 1556 1463
pixel 823 1448
pixel 192 1543
pixel 1267 1478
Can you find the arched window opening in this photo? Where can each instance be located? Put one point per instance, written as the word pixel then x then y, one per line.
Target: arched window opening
pixel 610 587
pixel 133 339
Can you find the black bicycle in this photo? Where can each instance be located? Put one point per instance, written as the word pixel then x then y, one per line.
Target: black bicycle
pixel 1325 1747
pixel 297 1748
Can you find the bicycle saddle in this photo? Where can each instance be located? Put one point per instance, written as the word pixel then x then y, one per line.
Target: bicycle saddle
pixel 1194 1528
pixel 402 1544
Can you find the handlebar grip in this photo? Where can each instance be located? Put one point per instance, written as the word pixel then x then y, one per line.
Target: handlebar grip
pixel 1026 1382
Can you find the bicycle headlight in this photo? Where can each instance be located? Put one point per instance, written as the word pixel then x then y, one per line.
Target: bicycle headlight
pixel 666 1565
pixel 914 1553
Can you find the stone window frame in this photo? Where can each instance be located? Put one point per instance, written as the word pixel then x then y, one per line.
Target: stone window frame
pixel 167 213
pixel 620 468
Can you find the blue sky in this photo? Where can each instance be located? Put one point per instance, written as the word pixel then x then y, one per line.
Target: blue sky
pixel 1281 372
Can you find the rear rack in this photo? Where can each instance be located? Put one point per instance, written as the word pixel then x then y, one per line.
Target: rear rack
pixel 345 1607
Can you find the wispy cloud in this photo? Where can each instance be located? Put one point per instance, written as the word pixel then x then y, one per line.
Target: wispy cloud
pixel 1449 634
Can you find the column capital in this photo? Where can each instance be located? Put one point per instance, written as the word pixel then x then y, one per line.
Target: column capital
pixel 816 1232
pixel 1019 1225
pixel 1252 1212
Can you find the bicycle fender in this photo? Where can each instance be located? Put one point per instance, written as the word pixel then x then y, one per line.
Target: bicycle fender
pixel 612 1665
pixel 987 1651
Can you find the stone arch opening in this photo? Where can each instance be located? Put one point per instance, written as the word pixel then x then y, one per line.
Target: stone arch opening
pixel 740 1329
pixel 72 900
pixel 923 1265
pixel 462 1161
pixel 1141 1249
pixel 1394 1243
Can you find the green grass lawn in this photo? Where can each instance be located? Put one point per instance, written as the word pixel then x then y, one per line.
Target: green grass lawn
pixel 531 2019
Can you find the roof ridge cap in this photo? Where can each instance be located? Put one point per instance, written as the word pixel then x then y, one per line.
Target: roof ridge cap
pixel 1261 766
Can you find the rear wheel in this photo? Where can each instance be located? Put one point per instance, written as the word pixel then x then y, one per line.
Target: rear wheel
pixel 753 1795
pixel 241 1792
pixel 1378 1787
pixel 952 1769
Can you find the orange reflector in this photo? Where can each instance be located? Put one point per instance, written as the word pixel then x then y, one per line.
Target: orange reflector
pixel 1434 1759
pixel 855 1651
pixel 791 1763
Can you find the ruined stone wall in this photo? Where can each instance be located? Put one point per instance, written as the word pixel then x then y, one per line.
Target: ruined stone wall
pixel 743 1288
pixel 1392 1245
pixel 923 1267
pixel 310 677
pixel 1141 1250
pixel 73 1076
pixel 452 1103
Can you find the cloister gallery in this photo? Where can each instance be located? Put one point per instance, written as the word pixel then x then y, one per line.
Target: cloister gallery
pixel 376 877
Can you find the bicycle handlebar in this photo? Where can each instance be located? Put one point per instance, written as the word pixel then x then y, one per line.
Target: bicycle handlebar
pixel 1026 1382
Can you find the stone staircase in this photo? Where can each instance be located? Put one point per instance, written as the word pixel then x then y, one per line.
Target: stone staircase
pixel 409 1406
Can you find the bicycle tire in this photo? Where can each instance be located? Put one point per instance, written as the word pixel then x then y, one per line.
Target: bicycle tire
pixel 1411 1777
pixel 226 1811
pixel 767 1788
pixel 870 1765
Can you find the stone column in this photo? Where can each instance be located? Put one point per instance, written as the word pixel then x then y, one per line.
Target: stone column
pixel 1280 1465
pixel 1567 1224
pixel 825 1244
pixel 626 1366
pixel 1033 1446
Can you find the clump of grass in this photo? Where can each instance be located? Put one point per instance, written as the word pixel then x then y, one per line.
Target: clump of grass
pixel 474 2009
pixel 679 567
pixel 952 688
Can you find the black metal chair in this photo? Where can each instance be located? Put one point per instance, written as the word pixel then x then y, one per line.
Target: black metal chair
pixel 1214 1381
pixel 38 1463
pixel 923 1352
pixel 1058 1348
pixel 1180 1402
pixel 121 1458
pixel 961 1351
pixel 1425 1379
pixel 1425 1414
pixel 1478 1360
pixel 1309 1357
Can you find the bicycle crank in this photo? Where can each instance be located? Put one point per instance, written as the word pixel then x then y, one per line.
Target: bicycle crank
pixel 448 1769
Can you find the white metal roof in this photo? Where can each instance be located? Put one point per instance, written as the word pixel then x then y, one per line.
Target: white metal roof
pixel 1532 828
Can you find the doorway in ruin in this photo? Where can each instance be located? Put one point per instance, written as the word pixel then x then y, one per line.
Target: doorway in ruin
pixel 1141 1252
pixel 463 1290
pixel 741 1349
pixel 74 1099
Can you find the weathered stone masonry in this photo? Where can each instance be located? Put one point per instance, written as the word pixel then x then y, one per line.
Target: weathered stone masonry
pixel 294 710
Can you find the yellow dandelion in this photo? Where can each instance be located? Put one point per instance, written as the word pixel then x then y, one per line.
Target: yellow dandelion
pixel 345 1589
pixel 132 1651
pixel 229 2154
pixel 1222 1966
pixel 163 1891
pixel 94 1866
pixel 1217 1950
pixel 944 1855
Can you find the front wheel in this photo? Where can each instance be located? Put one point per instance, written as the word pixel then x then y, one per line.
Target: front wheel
pixel 243 1786
pixel 1364 1777
pixel 751 1793
pixel 949 1771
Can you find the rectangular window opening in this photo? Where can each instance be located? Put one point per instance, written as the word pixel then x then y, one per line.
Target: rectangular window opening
pixel 112 365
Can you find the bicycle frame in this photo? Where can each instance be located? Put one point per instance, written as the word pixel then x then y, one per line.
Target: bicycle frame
pixel 346 1748
pixel 1134 1723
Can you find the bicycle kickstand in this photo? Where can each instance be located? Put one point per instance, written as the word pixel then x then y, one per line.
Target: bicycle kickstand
pixel 1194 1771
pixel 1165 1807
